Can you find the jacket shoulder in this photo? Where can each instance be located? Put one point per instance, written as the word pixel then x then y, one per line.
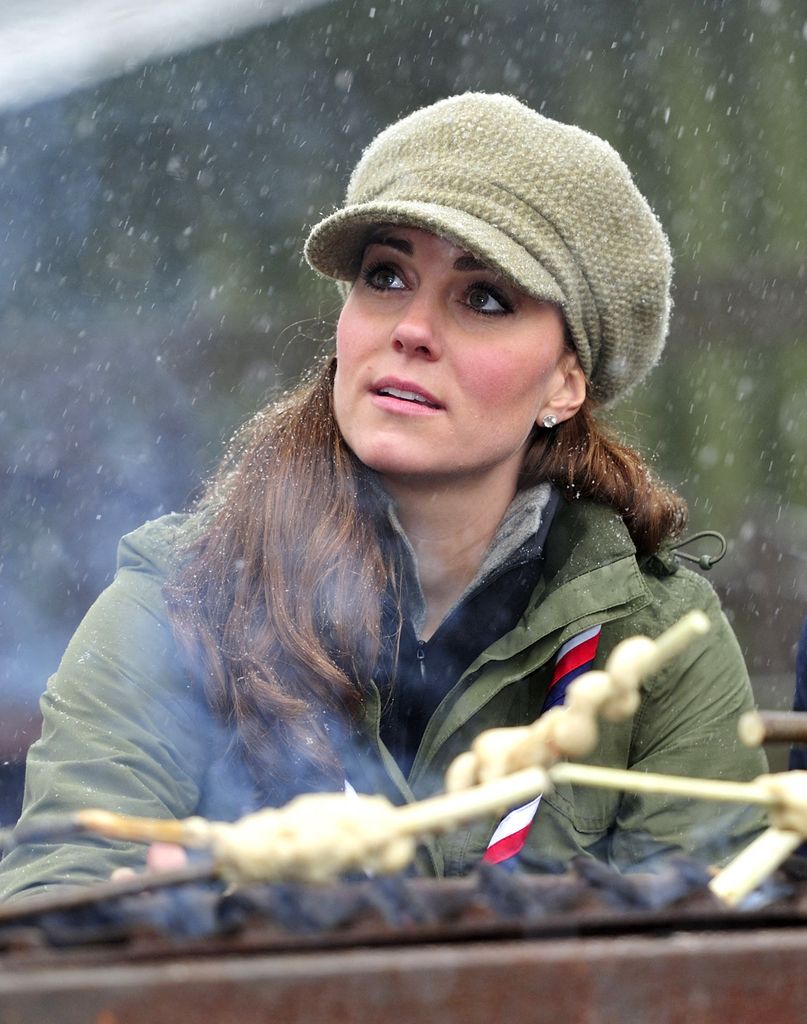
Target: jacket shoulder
pixel 159 545
pixel 677 590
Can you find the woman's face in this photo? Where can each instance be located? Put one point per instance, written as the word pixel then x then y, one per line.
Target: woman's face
pixel 443 368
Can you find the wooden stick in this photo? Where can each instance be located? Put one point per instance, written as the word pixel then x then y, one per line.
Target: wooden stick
pixel 750 867
pixel 319 836
pixel 285 851
pixel 753 865
pixel 572 730
pixel 675 640
pixel 757 727
pixel 650 782
pixel 436 814
pixel 190 832
pixel 443 813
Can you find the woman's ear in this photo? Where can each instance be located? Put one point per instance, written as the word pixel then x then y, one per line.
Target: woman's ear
pixel 569 394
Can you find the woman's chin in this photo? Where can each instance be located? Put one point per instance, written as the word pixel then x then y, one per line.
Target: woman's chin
pixel 394 461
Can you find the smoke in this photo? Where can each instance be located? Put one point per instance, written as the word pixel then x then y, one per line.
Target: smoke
pixel 50 49
pixel 102 433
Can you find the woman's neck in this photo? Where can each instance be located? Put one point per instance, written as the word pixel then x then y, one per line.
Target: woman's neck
pixel 450 530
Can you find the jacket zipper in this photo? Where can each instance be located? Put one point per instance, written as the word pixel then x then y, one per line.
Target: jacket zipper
pixel 421 657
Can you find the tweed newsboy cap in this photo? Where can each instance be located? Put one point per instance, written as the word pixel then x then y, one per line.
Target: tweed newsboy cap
pixel 551 207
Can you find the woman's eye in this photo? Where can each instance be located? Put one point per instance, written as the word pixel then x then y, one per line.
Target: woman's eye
pixel 487 300
pixel 382 277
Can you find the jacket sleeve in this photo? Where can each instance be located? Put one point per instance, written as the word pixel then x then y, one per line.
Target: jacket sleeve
pixel 123 728
pixel 687 725
pixel 798 754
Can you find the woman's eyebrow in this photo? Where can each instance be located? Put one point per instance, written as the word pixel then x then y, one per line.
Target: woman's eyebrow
pixel 470 263
pixel 401 244
pixel 462 263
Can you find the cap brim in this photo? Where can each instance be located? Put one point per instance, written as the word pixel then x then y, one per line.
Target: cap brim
pixel 335 246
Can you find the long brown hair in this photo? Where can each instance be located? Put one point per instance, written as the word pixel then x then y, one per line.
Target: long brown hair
pixel 584 459
pixel 279 602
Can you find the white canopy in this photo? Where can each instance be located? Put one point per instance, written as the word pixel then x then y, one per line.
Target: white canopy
pixel 50 47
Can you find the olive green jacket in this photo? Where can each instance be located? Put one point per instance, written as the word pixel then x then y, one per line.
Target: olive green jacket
pixel 127 728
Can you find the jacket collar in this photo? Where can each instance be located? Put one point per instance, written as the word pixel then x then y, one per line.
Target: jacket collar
pixel 591 577
pixel 519 536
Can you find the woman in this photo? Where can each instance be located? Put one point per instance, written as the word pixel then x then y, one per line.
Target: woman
pixel 391 559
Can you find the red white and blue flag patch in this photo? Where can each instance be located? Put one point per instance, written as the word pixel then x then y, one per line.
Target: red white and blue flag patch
pixel 572 660
pixel 511 833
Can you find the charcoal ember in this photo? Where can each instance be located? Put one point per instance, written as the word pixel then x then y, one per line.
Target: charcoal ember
pixel 94 923
pixel 446 902
pixel 670 882
pixel 510 894
pixel 796 866
pixel 398 902
pixel 695 872
pixel 296 907
pixel 503 891
pixel 182 912
pixel 292 906
pixel 531 863
pixel 772 890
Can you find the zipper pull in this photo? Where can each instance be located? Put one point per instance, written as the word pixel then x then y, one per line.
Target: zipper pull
pixel 421 657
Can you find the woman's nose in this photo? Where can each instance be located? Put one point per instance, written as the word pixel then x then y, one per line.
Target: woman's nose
pixel 416 332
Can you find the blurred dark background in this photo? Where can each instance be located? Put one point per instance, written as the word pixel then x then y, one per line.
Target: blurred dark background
pixel 152 293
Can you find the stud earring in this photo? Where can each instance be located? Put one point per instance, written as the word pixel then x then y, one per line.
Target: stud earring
pixel 550 421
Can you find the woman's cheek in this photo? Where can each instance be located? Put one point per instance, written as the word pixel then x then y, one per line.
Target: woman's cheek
pixel 493 380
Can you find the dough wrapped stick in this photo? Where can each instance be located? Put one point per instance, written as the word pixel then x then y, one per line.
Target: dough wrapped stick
pixel 784 794
pixel 572 729
pixel 316 837
pixel 757 727
pixel 787 792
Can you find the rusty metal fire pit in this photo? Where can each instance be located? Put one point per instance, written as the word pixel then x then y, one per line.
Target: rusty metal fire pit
pixel 583 947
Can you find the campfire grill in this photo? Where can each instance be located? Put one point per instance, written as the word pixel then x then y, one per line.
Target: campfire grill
pixel 590 946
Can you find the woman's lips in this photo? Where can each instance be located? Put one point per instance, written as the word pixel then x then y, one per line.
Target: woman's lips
pixel 401 393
